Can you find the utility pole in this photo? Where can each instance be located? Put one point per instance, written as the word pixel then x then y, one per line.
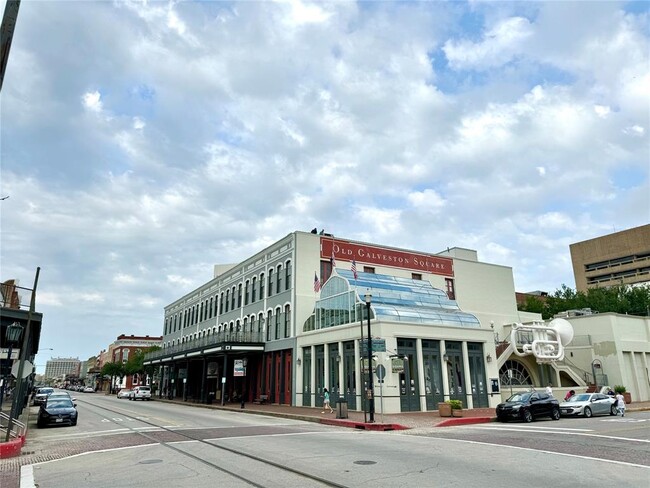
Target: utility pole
pixel 8 25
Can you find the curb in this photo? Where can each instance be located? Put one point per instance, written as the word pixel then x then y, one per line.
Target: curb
pixel 11 448
pixel 465 421
pixel 363 425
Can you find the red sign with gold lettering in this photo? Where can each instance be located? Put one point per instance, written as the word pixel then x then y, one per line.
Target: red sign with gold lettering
pixel 362 253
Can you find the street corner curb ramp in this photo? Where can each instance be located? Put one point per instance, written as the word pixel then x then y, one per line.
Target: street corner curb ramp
pixel 363 425
pixel 11 448
pixel 464 421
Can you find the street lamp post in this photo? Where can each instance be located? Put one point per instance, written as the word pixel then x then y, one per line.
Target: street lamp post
pixel 371 389
pixel 12 335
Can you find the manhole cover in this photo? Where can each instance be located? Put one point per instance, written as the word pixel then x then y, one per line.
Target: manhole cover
pixel 365 462
pixel 151 461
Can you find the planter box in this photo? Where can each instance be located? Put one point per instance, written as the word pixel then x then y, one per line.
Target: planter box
pixel 444 409
pixel 627 397
pixel 457 413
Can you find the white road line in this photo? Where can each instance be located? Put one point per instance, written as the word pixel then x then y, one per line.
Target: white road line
pixel 568 433
pixel 27 476
pixel 531 428
pixel 589 458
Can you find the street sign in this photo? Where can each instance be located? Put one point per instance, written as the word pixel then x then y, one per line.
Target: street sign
pixel 380 371
pixel 28 368
pixel 15 353
pixel 378 345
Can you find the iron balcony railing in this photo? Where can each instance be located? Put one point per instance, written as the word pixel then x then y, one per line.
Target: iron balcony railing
pixel 213 340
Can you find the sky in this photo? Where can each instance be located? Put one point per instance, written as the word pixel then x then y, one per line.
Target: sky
pixel 143 142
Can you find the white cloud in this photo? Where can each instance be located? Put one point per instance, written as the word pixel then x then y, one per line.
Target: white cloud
pixel 217 128
pixel 602 111
pixel 122 278
pixel 499 45
pixel 92 101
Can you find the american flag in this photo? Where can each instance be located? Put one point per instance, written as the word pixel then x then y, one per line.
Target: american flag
pixel 354 269
pixel 316 283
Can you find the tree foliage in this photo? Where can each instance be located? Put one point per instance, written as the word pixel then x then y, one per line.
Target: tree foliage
pixel 113 369
pixel 623 299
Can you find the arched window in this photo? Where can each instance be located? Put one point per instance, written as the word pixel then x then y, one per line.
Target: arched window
pixel 261 286
pixel 287 275
pixel 278 275
pixel 518 376
pixel 270 292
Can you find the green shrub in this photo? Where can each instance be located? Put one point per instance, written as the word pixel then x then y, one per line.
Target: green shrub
pixel 619 389
pixel 455 404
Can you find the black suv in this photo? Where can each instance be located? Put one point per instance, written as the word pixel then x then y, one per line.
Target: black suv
pixel 528 406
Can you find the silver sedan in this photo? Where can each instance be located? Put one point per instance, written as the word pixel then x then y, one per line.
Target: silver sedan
pixel 589 404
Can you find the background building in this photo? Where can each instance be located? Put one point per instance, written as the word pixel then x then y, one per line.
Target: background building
pixel 286 322
pixel 621 258
pixel 60 368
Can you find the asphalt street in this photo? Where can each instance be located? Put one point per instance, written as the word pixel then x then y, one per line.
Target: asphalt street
pixel 118 443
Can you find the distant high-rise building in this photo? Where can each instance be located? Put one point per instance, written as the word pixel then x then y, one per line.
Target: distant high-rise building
pixel 60 367
pixel 621 258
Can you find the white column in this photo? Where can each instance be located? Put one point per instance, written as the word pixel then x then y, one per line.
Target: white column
pixel 420 362
pixel 468 378
pixel 445 372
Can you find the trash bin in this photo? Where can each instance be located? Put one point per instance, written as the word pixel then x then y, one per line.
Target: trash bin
pixel 210 398
pixel 341 408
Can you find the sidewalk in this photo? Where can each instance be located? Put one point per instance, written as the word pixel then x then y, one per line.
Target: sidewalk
pixel 393 421
pixel 357 420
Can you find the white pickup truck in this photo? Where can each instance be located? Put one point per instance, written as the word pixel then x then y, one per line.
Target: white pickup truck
pixel 140 393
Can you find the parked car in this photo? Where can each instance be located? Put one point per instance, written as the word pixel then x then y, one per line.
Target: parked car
pixel 589 404
pixel 528 406
pixel 141 393
pixel 41 395
pixel 60 394
pixel 89 389
pixel 124 393
pixel 57 411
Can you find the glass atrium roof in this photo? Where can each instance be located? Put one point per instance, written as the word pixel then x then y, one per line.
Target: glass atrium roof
pixel 401 299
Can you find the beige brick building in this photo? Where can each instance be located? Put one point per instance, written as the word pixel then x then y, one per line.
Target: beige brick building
pixel 614 259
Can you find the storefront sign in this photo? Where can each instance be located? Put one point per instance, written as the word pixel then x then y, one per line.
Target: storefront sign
pixel 397 365
pixel 240 369
pixel 361 253
pixel 212 370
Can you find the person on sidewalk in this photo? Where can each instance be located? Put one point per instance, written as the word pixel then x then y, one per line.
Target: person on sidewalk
pixel 326 401
pixel 620 404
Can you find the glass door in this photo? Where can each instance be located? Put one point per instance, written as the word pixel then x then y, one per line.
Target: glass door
pixel 306 377
pixel 477 375
pixel 408 380
pixel 456 372
pixel 349 375
pixel 320 374
pixel 432 374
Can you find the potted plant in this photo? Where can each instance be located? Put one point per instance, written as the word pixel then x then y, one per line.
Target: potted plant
pixel 456 408
pixel 623 391
pixel 444 409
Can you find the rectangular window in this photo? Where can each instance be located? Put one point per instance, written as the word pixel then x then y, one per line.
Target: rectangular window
pixel 270 282
pixel 268 326
pixel 287 274
pixel 325 271
pixel 233 299
pixel 277 324
pixel 368 269
pixel 416 276
pixel 246 293
pixel 262 286
pixel 278 288
pixel 239 296
pixel 287 316
pixel 221 304
pixel 227 300
pixel 254 290
pixel 451 293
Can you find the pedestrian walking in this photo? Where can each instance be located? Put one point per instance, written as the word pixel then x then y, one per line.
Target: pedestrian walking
pixel 326 401
pixel 620 404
